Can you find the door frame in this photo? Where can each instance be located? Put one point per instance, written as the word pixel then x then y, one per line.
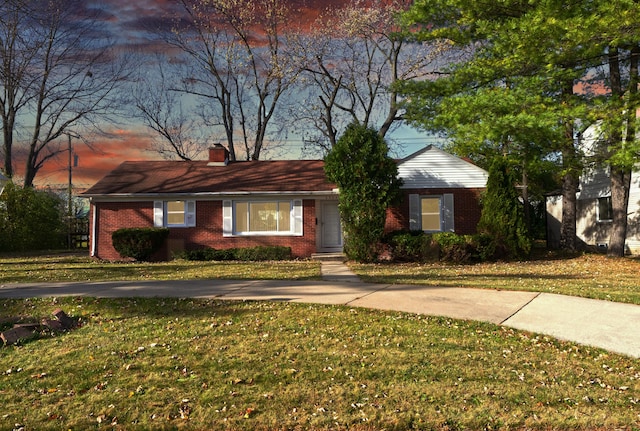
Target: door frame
pixel 320 222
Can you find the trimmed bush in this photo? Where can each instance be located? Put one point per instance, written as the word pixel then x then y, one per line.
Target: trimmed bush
pixel 248 254
pixel 264 253
pixel 411 246
pixel 455 248
pixel 417 246
pixel 139 243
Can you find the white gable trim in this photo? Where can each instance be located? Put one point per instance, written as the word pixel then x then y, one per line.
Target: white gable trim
pixel 433 168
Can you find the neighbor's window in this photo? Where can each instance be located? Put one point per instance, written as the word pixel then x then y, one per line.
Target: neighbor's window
pixel 605 209
pixel 261 217
pixel 430 213
pixel 176 213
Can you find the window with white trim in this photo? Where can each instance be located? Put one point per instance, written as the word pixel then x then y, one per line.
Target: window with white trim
pixel 175 213
pixel 262 217
pixel 605 209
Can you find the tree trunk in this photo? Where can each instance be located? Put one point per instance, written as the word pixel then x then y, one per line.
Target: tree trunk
pixel 568 237
pixel 570 180
pixel 620 184
pixel 621 175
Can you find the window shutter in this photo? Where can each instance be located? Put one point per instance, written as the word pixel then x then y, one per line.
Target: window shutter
pixel 158 213
pixel 297 217
pixel 447 213
pixel 415 213
pixel 227 218
pixel 190 213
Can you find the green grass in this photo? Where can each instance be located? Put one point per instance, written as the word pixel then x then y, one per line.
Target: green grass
pixel 205 364
pixel 73 267
pixel 588 275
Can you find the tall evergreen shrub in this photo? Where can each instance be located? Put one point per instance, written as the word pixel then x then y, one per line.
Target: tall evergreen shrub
pixel 368 181
pixel 502 217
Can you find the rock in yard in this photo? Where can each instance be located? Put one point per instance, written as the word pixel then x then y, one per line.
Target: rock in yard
pixel 67 322
pixel 14 335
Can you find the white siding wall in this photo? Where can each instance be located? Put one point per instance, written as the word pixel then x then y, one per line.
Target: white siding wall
pixel 633 228
pixel 434 168
pixel 588 229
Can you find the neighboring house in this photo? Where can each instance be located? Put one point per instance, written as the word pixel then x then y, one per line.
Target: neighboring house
pixel 594 213
pixel 222 204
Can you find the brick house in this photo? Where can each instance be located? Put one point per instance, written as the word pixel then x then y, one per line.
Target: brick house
pixel 222 204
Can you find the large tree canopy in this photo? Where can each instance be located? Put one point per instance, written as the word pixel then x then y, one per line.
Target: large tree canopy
pixel 528 73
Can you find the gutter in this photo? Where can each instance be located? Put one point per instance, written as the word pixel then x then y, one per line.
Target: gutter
pixel 214 195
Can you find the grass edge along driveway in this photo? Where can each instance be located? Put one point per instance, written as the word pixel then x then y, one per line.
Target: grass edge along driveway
pixel 586 275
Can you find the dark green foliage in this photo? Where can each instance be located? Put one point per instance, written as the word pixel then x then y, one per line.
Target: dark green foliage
pixel 418 246
pixel 455 248
pixel 368 181
pixel 30 220
pixel 249 254
pixel 411 246
pixel 263 253
pixel 139 243
pixel 502 216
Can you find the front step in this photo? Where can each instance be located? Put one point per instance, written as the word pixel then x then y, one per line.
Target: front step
pixel 329 257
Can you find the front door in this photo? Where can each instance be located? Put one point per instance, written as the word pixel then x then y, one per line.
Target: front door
pixel 330 229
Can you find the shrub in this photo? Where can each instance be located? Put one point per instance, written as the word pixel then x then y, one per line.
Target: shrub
pixel 30 220
pixel 139 243
pixel 263 253
pixel 417 246
pixel 249 254
pixel 455 248
pixel 367 177
pixel 503 214
pixel 411 246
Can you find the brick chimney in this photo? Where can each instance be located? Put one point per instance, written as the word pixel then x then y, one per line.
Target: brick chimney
pixel 218 156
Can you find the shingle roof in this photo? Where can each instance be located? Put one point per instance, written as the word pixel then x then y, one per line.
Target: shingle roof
pixel 182 177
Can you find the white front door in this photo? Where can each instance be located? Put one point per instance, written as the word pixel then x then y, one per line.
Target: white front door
pixel 330 229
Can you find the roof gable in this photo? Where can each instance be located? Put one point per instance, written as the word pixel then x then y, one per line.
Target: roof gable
pixel 432 167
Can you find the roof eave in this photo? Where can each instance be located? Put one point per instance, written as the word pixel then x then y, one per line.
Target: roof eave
pixel 332 192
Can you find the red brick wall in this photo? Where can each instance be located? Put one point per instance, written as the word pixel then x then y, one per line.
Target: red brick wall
pixel 112 216
pixel 466 209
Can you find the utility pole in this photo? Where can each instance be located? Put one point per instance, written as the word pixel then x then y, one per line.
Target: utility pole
pixel 70 191
pixel 70 196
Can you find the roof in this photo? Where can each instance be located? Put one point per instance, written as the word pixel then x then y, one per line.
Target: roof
pixel 434 168
pixel 196 177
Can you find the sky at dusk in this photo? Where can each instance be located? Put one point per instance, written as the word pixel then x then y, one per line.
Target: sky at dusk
pixel 129 140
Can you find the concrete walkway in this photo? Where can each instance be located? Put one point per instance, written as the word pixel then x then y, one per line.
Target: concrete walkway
pixel 608 325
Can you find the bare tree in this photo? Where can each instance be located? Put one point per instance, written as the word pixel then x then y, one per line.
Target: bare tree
pixel 353 58
pixel 17 54
pixel 236 62
pixel 68 76
pixel 162 110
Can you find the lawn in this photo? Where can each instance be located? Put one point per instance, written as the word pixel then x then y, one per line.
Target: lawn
pixel 73 267
pixel 153 363
pixel 205 364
